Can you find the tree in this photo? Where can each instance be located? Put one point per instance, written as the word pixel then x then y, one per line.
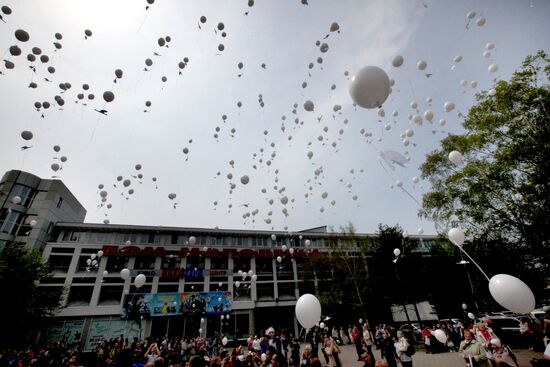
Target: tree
pixel 342 276
pixel 500 194
pixel 24 303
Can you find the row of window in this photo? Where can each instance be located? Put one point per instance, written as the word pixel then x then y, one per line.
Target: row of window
pixel 112 294
pixel 176 239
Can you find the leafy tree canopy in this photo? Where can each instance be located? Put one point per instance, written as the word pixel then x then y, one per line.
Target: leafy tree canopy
pixel 501 190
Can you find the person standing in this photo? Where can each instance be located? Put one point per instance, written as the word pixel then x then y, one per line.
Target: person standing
pixel 357 338
pixel 472 351
pixel 401 346
pixel 387 349
pixel 368 338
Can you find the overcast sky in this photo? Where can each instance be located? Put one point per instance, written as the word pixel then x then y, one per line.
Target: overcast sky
pixel 186 111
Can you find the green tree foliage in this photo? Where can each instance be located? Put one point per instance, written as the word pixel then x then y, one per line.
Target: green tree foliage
pixel 500 193
pixel 24 304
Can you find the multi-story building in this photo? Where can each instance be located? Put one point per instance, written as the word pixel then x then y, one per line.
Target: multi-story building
pixel 30 206
pixel 198 280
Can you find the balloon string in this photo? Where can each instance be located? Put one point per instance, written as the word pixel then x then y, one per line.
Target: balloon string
pixel 476 264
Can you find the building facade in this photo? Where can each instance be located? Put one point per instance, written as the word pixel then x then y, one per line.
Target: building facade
pixel 257 275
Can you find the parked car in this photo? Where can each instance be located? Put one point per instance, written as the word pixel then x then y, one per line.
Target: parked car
pixel 507 329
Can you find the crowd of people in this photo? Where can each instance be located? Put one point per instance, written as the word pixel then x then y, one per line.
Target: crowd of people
pixel 478 345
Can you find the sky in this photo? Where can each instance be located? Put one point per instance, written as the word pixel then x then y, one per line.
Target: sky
pixel 186 148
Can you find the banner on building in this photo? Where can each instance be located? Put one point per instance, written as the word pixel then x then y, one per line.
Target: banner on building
pixel 144 305
pixel 205 302
pixel 108 329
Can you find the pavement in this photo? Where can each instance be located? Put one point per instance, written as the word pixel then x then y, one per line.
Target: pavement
pixel 348 357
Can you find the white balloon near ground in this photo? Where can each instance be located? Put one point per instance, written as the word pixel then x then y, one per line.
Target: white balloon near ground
pixel 512 293
pixel 370 87
pixel 308 310
pixel 397 61
pixel 455 157
pixel 421 65
pixel 440 336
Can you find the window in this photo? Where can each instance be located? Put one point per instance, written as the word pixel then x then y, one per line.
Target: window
pixel 63 250
pixel 74 236
pixel 167 288
pixel 10 220
pixel 193 287
pixel 110 295
pixel 83 263
pixel 145 262
pixel 26 194
pixel 284 270
pixel 116 263
pixel 260 241
pixel 59 202
pixel 80 295
pixel 242 293
pixel 264 266
pixel 218 263
pixel 174 239
pixel 241 264
pixel 286 290
pixel 52 281
pixel 265 291
pixel 306 287
pixel 60 263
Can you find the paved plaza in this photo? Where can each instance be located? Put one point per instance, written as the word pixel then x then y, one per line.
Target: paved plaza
pixel 422 359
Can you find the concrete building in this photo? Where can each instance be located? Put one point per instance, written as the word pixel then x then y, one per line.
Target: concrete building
pixel 30 206
pixel 198 280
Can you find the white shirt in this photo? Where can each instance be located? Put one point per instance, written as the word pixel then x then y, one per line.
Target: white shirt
pixel 400 347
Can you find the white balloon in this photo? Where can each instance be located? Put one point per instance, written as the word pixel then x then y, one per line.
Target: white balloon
pixel 370 87
pixel 105 273
pixel 279 259
pixel 421 65
pixel 237 284
pixel 417 119
pixel 480 21
pixel 415 179
pixel 309 106
pixel 322 325
pixel 398 183
pixel 429 115
pixel 456 236
pixel 471 15
pixel 492 92
pixel 492 68
pixel 486 54
pixel 254 277
pixel 397 61
pixel 512 293
pixel 33 223
pixel 473 84
pixel 308 243
pixel 16 199
pixel 455 157
pixel 440 336
pixel 308 310
pixel 125 273
pixel 442 122
pixel 396 252
pixel 449 106
pixel 224 340
pixel 139 281
pixel 489 45
pixel 471 316
pixel 457 58
pixel 464 306
pixel 99 253
pixel 420 230
pixel 245 179
pixel 192 240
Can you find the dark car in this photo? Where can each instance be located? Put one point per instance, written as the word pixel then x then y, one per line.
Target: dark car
pixel 507 329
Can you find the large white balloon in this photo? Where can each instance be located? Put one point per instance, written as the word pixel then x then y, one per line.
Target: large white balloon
pixel 192 240
pixel 370 87
pixel 441 336
pixel 456 236
pixel 308 310
pixel 455 157
pixel 512 293
pixel 125 273
pixel 139 281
